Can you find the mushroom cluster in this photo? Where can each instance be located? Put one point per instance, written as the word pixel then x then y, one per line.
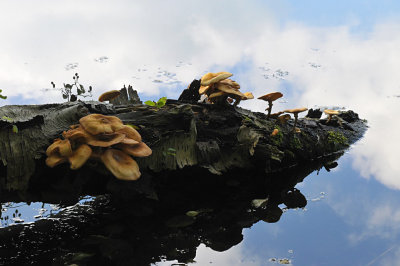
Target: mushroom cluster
pixel 103 138
pixel 219 89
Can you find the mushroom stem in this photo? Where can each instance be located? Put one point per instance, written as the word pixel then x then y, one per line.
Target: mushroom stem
pixel 329 118
pixel 269 108
pixel 295 122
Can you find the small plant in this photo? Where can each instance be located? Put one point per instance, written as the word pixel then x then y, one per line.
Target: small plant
pixel 66 91
pixel 2 96
pixel 170 151
pixel 9 119
pixel 160 103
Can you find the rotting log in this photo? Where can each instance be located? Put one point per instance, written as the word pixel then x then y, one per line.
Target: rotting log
pixel 220 139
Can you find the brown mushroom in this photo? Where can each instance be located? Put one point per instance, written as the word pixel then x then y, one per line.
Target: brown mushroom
pixel 283 118
pixel 54 160
pixel 275 132
pixel 211 78
pixel 296 112
pixel 270 97
pixel 98 124
pixel 61 147
pixel 330 114
pixel 80 156
pixel 105 140
pixel 130 133
pixel 137 150
pixel 109 95
pixel 276 115
pixel 120 164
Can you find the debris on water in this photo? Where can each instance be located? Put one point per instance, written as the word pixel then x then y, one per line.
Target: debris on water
pixel 257 203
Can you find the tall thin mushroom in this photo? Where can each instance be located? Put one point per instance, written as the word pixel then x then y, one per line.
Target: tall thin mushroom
pixel 270 97
pixel 295 113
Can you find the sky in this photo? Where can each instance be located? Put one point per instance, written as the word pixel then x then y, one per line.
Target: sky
pixel 336 54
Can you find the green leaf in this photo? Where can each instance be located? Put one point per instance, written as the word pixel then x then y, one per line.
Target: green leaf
pixel 9 119
pixel 133 126
pixel 150 103
pixel 161 102
pixel 3 97
pixel 15 129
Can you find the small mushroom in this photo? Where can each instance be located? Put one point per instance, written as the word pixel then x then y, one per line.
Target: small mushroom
pixel 330 114
pixel 98 124
pixel 54 160
pixel 270 97
pixel 275 132
pixel 276 115
pixel 120 164
pixel 283 118
pixel 296 112
pixel 109 95
pixel 80 156
pixel 61 147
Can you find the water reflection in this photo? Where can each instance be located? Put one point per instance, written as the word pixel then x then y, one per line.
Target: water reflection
pixel 188 211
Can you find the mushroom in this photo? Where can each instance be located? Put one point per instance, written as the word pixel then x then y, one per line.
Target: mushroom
pixel 61 147
pixel 97 124
pixel 109 95
pixel 80 156
pixel 130 133
pixel 106 139
pixel 330 114
pixel 211 78
pixel 120 164
pixel 274 132
pixel 137 150
pixel 54 160
pixel 276 115
pixel 270 97
pixel 296 112
pixel 283 118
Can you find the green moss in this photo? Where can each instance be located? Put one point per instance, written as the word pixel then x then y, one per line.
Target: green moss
pixel 295 142
pixel 337 138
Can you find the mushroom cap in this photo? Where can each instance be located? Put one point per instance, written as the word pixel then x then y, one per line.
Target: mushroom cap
pixel 120 164
pixel 203 89
pixel 76 134
pixel 231 83
pixel 211 78
pixel 61 147
pixel 54 160
pixel 130 133
pixel 98 124
pixel 275 132
pixel 106 139
pixel 137 150
pixel 270 97
pixel 296 110
pixel 283 118
pixel 230 90
pixel 216 94
pixel 248 95
pixel 80 156
pixel 331 112
pixel 109 95
pixel 275 115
